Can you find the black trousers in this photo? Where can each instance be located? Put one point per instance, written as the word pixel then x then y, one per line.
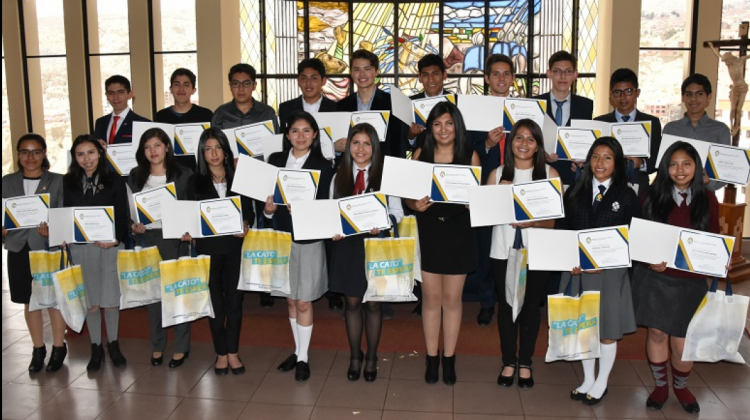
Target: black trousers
pixel 227 302
pixel 518 339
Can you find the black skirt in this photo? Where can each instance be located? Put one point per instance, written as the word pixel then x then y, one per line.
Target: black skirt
pixel 446 240
pixel 346 274
pixel 19 275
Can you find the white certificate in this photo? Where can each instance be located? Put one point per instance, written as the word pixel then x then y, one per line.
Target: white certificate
pixel 604 248
pixel 668 140
pixel 146 206
pixel 481 113
pixel 422 107
pixel 338 122
pixel 249 137
pixel 728 164
pixel 184 217
pixel 517 109
pixel 364 213
pixel 186 137
pixel 326 143
pixel 324 219
pixel 552 249
pixel 221 217
pixel 652 242
pixel 406 178
pixel 377 119
pixel 450 183
pixel 634 137
pixel 538 200
pixel 272 144
pixel 574 143
pixel 296 185
pixel 703 253
pixel 254 178
pixel 121 157
pixel 140 127
pixel 25 212
pixel 94 224
pixel 491 205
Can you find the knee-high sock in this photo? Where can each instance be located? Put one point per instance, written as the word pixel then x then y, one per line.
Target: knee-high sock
pixel 679 384
pixel 112 318
pixel 94 322
pixel 305 334
pixel 661 388
pixel 606 362
pixel 293 322
pixel 589 375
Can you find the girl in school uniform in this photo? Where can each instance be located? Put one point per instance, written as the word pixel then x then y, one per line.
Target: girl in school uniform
pixel 525 162
pixel 212 180
pixel 156 168
pixel 308 273
pixel 89 182
pixel 33 177
pixel 665 299
pixel 447 242
pixel 601 198
pixel 360 171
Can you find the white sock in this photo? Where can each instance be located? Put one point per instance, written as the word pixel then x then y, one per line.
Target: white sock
pixel 305 334
pixel 293 321
pixel 589 375
pixel 606 362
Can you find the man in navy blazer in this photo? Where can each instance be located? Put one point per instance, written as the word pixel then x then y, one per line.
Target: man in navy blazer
pixel 117 127
pixel 311 77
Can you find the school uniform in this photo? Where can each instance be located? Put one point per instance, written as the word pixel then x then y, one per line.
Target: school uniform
pixel 196 114
pixel 418 142
pixel 286 109
pixel 380 101
pixel 123 130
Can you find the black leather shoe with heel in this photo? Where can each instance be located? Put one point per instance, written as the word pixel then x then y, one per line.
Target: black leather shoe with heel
pixel 37 359
pixel 355 367
pixel 431 374
pixel 449 370
pixel 57 358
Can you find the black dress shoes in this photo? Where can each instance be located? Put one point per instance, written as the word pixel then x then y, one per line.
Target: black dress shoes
pixel 525 382
pixel 240 370
pixel 266 300
pixel 432 368
pixel 335 302
pixel 485 316
pixel 221 371
pixel 507 381
pixel 371 369
pixel 57 358
pixel 589 400
pixel 37 359
pixel 115 354
pixel 303 371
pixel 691 407
pixel 580 396
pixel 157 361
pixel 355 367
pixel 97 356
pixel 174 363
pixel 288 364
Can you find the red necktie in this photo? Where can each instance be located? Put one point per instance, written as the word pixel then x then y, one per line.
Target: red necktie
pixel 502 150
pixel 113 130
pixel 359 185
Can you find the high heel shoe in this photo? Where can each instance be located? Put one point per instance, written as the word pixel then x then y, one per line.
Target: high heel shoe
pixel 57 358
pixel 37 359
pixel 433 366
pixel 353 373
pixel 449 369
pixel 221 371
pixel 371 374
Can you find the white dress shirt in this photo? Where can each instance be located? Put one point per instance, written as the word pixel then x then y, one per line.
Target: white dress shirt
pixel 595 187
pixel 122 116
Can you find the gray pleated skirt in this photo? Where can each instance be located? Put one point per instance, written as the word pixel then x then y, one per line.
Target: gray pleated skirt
pixel 308 272
pixel 99 268
pixel 616 314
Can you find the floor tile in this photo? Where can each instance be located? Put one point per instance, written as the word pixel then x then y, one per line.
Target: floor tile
pixel 413 415
pixel 264 411
pixel 11 336
pixel 626 402
pixel 333 413
pixel 643 371
pixel 556 373
pixel 737 400
pixel 415 395
pixel 485 417
pixel 175 382
pixel 486 398
pixel 712 408
pixel 200 409
pixel 228 387
pixel 556 399
pixel 79 404
pixel 340 392
pixel 15 322
pixel 341 364
pixel 408 365
pixel 141 407
pixel 476 368
pixel 20 400
pixel 14 365
pixel 281 388
pixel 70 371
pixel 723 374
pixel 110 378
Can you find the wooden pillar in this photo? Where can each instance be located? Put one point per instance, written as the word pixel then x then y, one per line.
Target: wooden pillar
pixel 140 57
pixel 218 45
pixel 14 73
pixel 75 57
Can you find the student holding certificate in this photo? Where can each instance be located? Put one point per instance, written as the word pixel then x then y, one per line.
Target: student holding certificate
pixel 215 173
pixel 308 272
pixel 89 182
pixel 601 198
pixel 32 178
pixel 447 242
pixel 665 299
pixel 526 162
pixel 360 171
pixel 157 167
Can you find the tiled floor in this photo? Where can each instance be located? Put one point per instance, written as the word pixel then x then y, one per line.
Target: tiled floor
pixel 193 391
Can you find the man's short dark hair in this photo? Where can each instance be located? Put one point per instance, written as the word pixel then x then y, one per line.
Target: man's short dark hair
pixel 366 55
pixel 312 63
pixel 183 72
pixel 242 68
pixel 499 58
pixel 562 56
pixel 431 60
pixel 698 79
pixel 623 76
pixel 118 79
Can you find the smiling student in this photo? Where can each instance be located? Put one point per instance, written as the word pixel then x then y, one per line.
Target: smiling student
pixel 117 127
pixel 311 77
pixel 432 76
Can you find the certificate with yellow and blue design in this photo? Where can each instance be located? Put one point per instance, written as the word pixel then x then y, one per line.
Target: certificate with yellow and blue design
pixel 363 213
pixel 249 137
pixel 574 143
pixel 423 107
pixel 450 183
pixel 296 185
pixel 147 205
pixel 604 248
pixel 703 253
pixel 538 200
pixel 728 164
pixel 377 119
pixel 186 137
pixel 515 109
pixel 94 224
pixel 25 212
pixel 221 217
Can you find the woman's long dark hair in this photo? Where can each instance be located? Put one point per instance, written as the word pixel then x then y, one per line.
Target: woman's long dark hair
pixel 73 180
pixel 42 143
pixel 461 151
pixel 302 115
pixel 202 165
pixel 585 181
pixel 658 202
pixel 344 184
pixel 143 170
pixel 540 160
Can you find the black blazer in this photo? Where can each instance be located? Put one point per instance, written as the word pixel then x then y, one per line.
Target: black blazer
pixel 618 207
pixel 286 109
pixel 655 134
pixel 282 220
pixel 112 193
pixel 381 102
pixel 124 133
pixel 419 141
pixel 581 108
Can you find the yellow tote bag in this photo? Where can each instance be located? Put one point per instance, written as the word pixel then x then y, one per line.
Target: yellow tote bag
pixel 265 261
pixel 43 265
pixel 70 293
pixel 407 228
pixel 389 266
pixel 184 290
pixel 139 275
pixel 573 326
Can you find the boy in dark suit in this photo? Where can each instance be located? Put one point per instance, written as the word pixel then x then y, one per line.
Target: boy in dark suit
pixel 117 127
pixel 432 75
pixel 311 77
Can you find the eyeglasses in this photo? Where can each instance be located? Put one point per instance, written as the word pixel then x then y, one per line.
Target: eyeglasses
pixel 244 83
pixel 628 92
pixel 567 72
pixel 33 152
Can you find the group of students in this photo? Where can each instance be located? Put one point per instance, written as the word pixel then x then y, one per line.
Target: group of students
pixel 601 195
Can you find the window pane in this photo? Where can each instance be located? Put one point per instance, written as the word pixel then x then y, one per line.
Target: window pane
pixel 170 63
pixel 418 25
pixel 553 28
pixel 7 143
pixel 733 13
pixel 281 90
pixel 325 18
pixel 664 24
pixel 373 30
pixel 508 31
pixel 177 25
pixel 661 74
pixel 109 66
pixel 281 50
pixel 337 88
pixel 250 32
pixel 113 30
pixel 50 27
pixel 587 31
pixel 585 87
pixel 56 110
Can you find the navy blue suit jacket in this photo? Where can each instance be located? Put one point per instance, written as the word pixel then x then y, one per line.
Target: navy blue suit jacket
pixel 124 133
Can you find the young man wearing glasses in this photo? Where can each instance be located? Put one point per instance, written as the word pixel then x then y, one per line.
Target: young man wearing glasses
pixel 243 109
pixel 623 95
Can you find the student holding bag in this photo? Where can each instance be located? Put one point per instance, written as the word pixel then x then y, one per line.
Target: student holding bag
pixel 308 273
pixel 665 299
pixel 447 242
pixel 360 171
pixel 215 173
pixel 601 198
pixel 156 168
pixel 89 182
pixel 525 162
pixel 33 177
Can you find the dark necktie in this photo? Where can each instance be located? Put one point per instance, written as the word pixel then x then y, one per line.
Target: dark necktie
pixel 359 184
pixel 625 118
pixel 559 112
pixel 599 197
pixel 684 199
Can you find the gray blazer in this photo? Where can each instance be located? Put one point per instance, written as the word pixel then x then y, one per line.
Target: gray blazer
pixel 51 183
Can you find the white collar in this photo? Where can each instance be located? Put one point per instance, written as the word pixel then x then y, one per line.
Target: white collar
pixel 123 114
pixel 619 115
pixel 355 170
pixel 595 183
